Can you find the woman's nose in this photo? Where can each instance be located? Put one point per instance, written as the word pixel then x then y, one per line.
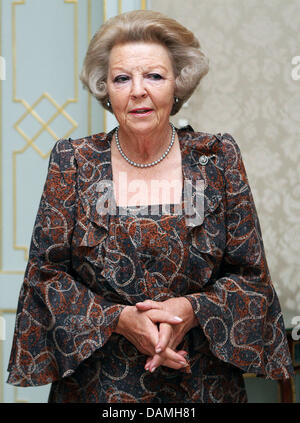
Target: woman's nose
pixel 138 88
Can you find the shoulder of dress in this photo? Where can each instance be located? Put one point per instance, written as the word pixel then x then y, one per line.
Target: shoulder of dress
pixel 187 132
pixel 87 147
pixel 203 142
pixel 191 133
pixel 92 150
pixel 89 139
pixel 228 143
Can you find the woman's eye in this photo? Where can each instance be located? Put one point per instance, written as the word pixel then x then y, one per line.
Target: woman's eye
pixel 121 78
pixel 155 76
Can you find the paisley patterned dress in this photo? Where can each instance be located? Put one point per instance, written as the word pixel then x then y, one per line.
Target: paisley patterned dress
pixel 85 266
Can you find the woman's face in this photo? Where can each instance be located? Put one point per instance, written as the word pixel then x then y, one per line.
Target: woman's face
pixel 141 86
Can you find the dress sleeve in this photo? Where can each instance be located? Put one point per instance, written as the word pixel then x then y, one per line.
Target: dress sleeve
pixel 240 313
pixel 59 321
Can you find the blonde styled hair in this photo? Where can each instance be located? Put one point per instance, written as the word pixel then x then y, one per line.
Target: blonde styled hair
pixel 189 62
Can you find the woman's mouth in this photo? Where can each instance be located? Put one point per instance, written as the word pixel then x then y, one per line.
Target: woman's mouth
pixel 141 111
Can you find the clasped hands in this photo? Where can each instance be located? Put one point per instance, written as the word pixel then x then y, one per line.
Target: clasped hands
pixel 157 328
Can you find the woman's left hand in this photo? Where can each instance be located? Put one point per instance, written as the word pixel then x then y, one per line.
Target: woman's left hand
pixel 169 335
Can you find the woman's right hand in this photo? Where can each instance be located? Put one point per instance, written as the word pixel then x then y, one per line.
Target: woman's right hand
pixel 140 328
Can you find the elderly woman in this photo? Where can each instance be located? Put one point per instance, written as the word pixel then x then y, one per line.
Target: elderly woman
pixel 147 279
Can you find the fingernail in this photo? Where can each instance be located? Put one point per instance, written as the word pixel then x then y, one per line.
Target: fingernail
pixel 158 350
pixel 183 362
pixel 152 370
pixel 177 318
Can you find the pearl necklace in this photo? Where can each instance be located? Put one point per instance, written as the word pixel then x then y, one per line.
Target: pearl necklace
pixel 147 164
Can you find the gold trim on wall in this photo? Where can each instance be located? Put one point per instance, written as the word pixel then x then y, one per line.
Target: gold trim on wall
pixel 104 10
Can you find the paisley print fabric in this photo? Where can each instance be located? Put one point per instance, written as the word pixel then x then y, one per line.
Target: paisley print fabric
pixel 84 267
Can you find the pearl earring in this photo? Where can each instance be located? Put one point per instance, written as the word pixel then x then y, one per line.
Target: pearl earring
pixel 176 99
pixel 108 103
